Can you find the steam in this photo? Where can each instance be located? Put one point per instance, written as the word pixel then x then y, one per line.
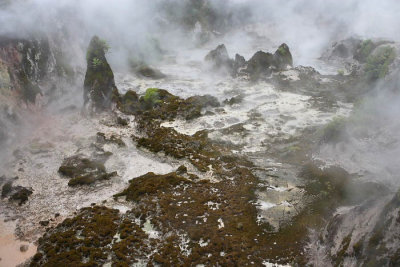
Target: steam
pixel 131 26
pixel 370 143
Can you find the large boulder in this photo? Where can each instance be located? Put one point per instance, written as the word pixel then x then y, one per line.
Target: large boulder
pixel 99 85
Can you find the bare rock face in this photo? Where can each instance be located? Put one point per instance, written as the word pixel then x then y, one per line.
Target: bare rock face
pixel 240 62
pixel 23 64
pixel 99 85
pixel 219 58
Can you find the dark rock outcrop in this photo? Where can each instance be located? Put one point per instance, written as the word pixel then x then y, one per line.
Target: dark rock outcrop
pixel 160 103
pixel 219 58
pixel 84 171
pixel 239 62
pixel 283 57
pixel 17 193
pixel 99 85
pixel 24 63
pixel 259 64
pixel 262 63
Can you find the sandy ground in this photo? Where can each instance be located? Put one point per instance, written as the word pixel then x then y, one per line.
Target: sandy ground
pixel 10 252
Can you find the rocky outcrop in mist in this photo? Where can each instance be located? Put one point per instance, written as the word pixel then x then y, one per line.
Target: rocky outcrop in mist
pixel 261 64
pixel 99 85
pixel 23 64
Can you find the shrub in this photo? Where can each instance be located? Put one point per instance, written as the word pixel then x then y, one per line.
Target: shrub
pixel 96 62
pixel 365 50
pixel 377 65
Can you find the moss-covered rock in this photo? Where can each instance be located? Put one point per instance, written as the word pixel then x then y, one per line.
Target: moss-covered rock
pixel 364 50
pixel 99 85
pixel 283 57
pixel 160 104
pixel 151 183
pixel 129 103
pixel 80 241
pixel 377 65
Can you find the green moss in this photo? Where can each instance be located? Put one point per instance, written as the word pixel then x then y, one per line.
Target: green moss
pixel 99 48
pixel 282 50
pixel 377 65
pixel 151 96
pixel 365 50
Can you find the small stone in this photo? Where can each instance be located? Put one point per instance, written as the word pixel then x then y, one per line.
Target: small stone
pixel 56 215
pixel 44 223
pixel 23 248
pixel 122 121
